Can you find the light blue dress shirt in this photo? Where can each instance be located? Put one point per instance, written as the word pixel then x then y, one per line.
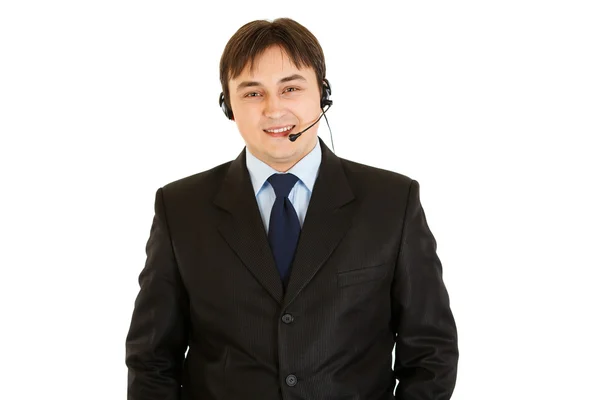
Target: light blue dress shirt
pixel 306 170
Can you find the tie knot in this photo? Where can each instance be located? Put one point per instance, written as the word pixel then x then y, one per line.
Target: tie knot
pixel 282 183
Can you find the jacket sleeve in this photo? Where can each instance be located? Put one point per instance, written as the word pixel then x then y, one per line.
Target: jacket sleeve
pixel 157 337
pixel 426 354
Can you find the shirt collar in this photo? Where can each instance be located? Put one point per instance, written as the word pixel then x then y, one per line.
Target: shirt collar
pixel 306 169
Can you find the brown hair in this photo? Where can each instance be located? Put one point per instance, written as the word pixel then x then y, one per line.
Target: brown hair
pixel 253 38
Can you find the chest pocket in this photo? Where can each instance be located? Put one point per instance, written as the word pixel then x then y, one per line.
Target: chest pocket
pixel 362 275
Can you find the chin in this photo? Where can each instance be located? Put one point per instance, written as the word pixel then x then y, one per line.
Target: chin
pixel 283 154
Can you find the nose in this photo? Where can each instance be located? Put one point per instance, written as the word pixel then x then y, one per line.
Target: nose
pixel 273 107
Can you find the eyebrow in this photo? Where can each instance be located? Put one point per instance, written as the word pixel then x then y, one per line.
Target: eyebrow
pixel 247 84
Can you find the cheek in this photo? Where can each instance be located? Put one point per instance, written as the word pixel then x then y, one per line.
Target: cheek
pixel 246 116
pixel 248 124
pixel 309 113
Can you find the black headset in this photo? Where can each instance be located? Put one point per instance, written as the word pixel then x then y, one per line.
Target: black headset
pixel 325 100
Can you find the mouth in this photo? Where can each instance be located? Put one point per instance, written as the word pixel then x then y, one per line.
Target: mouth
pixel 280 131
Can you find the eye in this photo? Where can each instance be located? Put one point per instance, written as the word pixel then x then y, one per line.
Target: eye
pixel 250 94
pixel 294 89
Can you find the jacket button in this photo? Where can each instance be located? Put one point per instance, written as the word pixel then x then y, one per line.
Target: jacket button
pixel 287 318
pixel 291 380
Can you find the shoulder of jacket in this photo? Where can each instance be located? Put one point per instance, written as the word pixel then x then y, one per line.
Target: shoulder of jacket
pixel 374 175
pixel 202 180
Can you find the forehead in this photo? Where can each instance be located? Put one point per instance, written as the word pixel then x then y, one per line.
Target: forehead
pixel 271 66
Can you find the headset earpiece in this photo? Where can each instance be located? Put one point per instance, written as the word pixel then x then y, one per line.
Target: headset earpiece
pixel 325 93
pixel 228 113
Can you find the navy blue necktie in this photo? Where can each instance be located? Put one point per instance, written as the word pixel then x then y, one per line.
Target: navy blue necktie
pixel 284 227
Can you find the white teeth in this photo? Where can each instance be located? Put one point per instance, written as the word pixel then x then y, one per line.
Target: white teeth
pixel 287 128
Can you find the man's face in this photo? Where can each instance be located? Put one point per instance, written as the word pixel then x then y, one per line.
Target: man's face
pixel 276 95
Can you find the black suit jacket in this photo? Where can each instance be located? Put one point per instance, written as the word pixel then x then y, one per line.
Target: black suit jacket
pixel 365 277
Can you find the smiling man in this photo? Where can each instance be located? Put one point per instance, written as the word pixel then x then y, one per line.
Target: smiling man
pixel 289 272
pixel 278 99
pixel 275 95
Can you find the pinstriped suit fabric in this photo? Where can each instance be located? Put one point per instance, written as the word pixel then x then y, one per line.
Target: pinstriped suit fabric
pixel 365 277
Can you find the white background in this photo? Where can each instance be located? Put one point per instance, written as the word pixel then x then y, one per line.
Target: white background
pixel 493 106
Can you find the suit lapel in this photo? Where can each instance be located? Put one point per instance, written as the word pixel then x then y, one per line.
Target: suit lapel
pixel 327 220
pixel 242 227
